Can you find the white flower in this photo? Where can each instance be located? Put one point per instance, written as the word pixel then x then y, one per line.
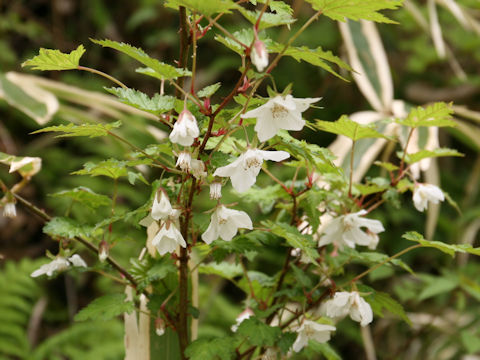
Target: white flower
pixel 10 210
pixel 311 330
pixel 244 170
pixel 346 230
pixel 215 191
pixel 168 238
pixel 424 193
pixel 103 251
pixel 159 326
pixel 34 162
pixel 194 166
pixel 185 130
pixel 259 55
pixel 184 160
pixel 279 113
pixel 59 264
pixel 350 303
pixel 162 209
pixel 225 223
pixel 244 315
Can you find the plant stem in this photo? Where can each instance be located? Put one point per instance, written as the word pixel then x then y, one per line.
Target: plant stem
pixel 98 72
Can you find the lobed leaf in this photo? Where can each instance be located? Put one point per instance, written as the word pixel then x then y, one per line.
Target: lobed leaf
pixel 84 196
pixel 268 19
pixel 259 333
pixel 111 168
pixel 315 57
pixel 224 269
pixel 294 238
pixel 349 128
pixel 66 227
pixel 449 249
pixel 90 130
pixel 105 308
pixel 203 7
pixel 341 10
pixel 424 154
pixel 209 90
pixel 158 104
pixel 48 59
pixel 438 114
pixel 161 70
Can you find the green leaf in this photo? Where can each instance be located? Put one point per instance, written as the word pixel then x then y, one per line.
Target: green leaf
pixel 323 348
pixel 387 165
pixel 224 269
pixel 149 270
pixel 203 7
pixel 65 227
pixel 111 168
pixel 446 248
pixel 380 301
pixel 90 130
pixel 161 70
pixel 259 333
pixel 470 341
pixel 158 104
pixel 268 19
pixel 438 114
pixel 315 57
pixel 105 308
pixel 245 36
pixel 423 154
pixel 219 348
pixel 294 238
pixel 84 196
pixel 349 128
pixel 372 258
pixel 209 90
pixel 55 60
pixel 341 10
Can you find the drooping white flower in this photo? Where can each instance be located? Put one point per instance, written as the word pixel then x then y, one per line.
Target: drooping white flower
pixel 161 208
pixel 168 238
pixel 185 130
pixel 259 55
pixel 244 315
pixel 159 326
pixel 194 166
pixel 34 162
pixel 215 191
pixel 10 210
pixel 184 160
pixel 59 264
pixel 244 170
pixel 424 193
pixel 225 223
pixel 279 113
pixel 349 303
pixel 103 251
pixel 311 330
pixel 346 230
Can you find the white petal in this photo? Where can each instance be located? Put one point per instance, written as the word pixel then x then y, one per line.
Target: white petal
pixel 261 111
pixel 76 260
pixel 274 155
pixel 211 233
pixel 228 170
pixel 304 104
pixel 266 128
pixel 161 209
pixel 300 342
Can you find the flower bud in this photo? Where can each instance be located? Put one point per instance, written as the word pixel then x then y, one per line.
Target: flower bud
pixel 215 191
pixel 10 210
pixel 185 130
pixel 103 251
pixel 259 55
pixel 184 161
pixel 198 169
pixel 159 326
